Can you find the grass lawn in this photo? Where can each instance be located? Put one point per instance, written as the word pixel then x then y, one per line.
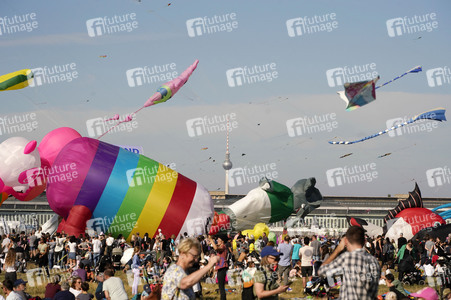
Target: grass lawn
pixel 36 286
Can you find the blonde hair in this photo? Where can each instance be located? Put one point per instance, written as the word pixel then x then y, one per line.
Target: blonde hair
pixel 10 259
pixel 187 244
pixel 264 261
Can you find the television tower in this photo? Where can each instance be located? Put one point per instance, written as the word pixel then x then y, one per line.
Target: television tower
pixel 227 165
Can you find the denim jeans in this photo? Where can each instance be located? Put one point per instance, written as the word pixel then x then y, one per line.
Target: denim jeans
pixel 50 259
pixel 96 257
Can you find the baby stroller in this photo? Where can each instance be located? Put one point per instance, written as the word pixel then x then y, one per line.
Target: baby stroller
pixel 412 277
pixel 103 263
pixel 116 257
pixel 408 274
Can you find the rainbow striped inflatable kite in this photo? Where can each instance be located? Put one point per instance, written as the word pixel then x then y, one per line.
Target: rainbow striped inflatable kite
pixel 120 192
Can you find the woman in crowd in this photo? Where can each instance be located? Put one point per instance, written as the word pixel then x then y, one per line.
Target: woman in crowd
pixel 75 288
pixel 177 284
pixel 406 259
pixel 222 266
pixel 136 269
pixel 265 280
pixel 10 265
pixel 71 248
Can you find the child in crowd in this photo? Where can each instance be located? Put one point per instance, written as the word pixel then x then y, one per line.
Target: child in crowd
pixel 395 286
pixel 384 271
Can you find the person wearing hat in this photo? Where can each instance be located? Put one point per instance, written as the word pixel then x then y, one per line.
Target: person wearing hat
pixel 222 265
pixel 19 288
pixel 8 289
pixel 265 280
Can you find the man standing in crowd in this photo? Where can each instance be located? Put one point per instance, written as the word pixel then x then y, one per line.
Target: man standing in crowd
pixel 285 250
pixel 109 245
pixel 306 257
pixel 6 244
pixel 96 246
pixel 265 240
pixel 401 241
pixel 361 271
pixel 316 245
pixel 32 243
pixel 429 247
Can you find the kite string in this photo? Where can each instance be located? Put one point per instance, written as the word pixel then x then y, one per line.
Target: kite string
pixel 127 119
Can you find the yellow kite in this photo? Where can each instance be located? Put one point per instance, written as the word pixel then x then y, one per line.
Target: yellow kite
pixel 16 80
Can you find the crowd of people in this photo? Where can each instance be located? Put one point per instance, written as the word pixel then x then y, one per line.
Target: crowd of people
pixel 259 268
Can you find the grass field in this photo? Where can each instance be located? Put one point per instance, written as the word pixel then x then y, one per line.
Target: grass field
pixel 36 286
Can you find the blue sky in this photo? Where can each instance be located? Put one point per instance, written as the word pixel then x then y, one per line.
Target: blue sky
pixel 262 109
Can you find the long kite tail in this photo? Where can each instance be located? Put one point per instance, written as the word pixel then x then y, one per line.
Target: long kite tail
pixel 436 115
pixel 413 70
pixel 445 214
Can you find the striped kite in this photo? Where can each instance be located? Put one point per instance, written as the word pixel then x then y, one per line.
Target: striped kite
pixel 437 114
pixel 163 94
